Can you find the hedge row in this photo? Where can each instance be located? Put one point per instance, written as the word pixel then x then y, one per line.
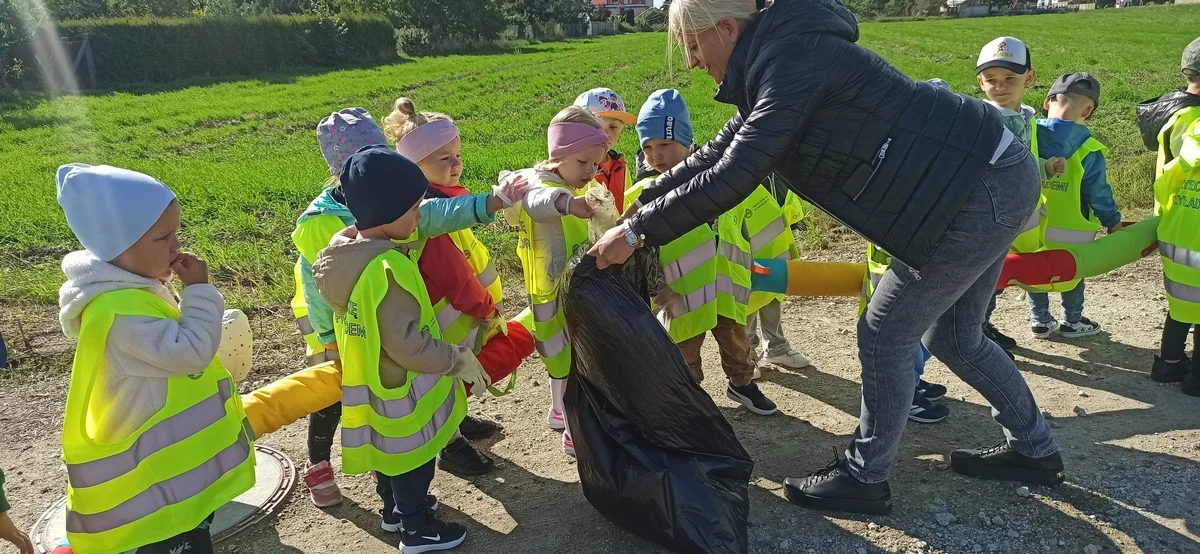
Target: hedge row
pixel 131 51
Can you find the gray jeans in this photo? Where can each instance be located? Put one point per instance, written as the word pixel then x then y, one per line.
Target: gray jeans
pixel 771 317
pixel 943 306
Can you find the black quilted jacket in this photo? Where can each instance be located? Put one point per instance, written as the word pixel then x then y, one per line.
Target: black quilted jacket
pixel 890 158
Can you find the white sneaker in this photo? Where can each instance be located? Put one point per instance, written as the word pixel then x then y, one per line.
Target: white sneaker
pixel 790 359
pixel 555 419
pixel 1044 330
pixel 1085 328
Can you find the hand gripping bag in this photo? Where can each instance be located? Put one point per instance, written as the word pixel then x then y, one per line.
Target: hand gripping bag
pixel 655 455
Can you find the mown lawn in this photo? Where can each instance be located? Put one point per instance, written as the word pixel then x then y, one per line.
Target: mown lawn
pixel 244 159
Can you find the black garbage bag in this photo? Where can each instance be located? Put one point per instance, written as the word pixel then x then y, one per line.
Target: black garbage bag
pixel 655 455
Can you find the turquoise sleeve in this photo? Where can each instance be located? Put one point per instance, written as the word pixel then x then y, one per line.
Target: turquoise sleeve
pixel 320 315
pixel 769 276
pixel 446 215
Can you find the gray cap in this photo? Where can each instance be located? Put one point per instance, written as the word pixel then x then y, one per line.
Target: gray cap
pixel 1191 58
pixel 1082 84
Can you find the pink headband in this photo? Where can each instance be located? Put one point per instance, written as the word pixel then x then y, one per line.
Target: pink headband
pixel 568 138
pixel 426 139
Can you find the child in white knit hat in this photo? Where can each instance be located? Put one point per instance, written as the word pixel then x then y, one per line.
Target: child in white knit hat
pixel 153 434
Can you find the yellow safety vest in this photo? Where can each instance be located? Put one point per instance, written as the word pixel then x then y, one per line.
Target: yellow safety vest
pixel 456 327
pixel 689 265
pixel 1183 118
pixel 1064 224
pixel 1177 195
pixel 192 457
pixel 392 431
pixel 480 260
pixel 877 264
pixel 770 237
pixel 544 249
pixel 1032 237
pixel 310 237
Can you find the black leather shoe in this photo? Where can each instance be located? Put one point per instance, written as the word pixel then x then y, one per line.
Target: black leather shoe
pixel 476 429
pixel 1002 463
pixel 461 459
pixel 833 488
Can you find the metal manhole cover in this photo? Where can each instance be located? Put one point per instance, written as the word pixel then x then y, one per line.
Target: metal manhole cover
pixel 274 477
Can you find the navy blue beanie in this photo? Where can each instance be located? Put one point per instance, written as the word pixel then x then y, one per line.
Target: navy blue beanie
pixel 380 186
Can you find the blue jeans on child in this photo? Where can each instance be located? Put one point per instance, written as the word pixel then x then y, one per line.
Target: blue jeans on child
pixel 1072 306
pixel 919 360
pixel 406 495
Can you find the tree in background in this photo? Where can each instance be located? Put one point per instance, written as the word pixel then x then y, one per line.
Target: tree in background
pixel 529 12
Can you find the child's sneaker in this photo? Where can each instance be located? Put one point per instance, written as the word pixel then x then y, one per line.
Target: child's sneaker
pixel 1006 342
pixel 753 399
pixel 1044 330
pixel 475 429
pixel 1169 372
pixel 391 521
pixel 461 459
pixel 434 536
pixel 1085 328
pixel 790 359
pixel 931 391
pixel 322 487
pixel 555 419
pixel 924 411
pixel 568 445
pixel 1191 383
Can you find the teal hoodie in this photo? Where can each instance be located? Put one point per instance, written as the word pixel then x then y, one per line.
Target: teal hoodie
pixel 438 217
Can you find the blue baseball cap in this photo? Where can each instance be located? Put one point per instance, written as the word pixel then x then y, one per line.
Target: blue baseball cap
pixel 665 116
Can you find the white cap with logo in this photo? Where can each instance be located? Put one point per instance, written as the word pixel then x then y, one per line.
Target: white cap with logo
pixel 1006 52
pixel 603 102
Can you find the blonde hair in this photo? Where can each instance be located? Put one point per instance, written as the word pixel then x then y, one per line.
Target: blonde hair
pixel 689 17
pixel 570 114
pixel 405 119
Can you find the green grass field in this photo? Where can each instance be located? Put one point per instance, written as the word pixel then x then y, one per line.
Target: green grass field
pixel 243 156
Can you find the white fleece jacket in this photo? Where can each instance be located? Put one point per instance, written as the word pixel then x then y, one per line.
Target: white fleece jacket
pixel 141 352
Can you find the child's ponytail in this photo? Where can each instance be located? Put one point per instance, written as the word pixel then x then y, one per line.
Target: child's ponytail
pixel 405 119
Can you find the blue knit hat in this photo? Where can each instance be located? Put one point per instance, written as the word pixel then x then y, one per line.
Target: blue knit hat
pixel 665 116
pixel 110 208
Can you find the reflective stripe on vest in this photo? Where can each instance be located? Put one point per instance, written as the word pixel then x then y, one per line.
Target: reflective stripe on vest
pixel 1179 255
pixel 391 430
pixel 191 457
pixel 1069 236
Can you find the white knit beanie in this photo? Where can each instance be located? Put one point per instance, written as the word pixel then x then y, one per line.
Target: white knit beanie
pixel 110 208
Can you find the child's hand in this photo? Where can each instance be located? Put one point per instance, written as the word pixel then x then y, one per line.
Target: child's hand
pixel 580 208
pixel 10 533
pixel 1056 166
pixel 190 269
pixel 511 190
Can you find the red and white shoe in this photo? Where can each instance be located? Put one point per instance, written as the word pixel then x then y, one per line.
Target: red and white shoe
pixel 568 445
pixel 555 419
pixel 322 487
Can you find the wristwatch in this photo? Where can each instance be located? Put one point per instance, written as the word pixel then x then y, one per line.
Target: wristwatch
pixel 635 240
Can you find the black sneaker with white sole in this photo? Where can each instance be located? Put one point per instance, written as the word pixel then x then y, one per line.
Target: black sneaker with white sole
pixel 753 399
pixel 1044 330
pixel 931 391
pixel 434 536
pixel 1084 328
pixel 924 411
pixel 391 521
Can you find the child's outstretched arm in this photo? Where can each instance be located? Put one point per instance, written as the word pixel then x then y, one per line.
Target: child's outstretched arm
pixel 1097 193
pixel 546 204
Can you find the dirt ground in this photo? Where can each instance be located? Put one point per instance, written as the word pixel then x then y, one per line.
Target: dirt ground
pixel 1131 447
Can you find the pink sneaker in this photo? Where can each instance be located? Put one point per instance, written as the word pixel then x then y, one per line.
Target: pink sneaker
pixel 321 486
pixel 555 420
pixel 568 445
